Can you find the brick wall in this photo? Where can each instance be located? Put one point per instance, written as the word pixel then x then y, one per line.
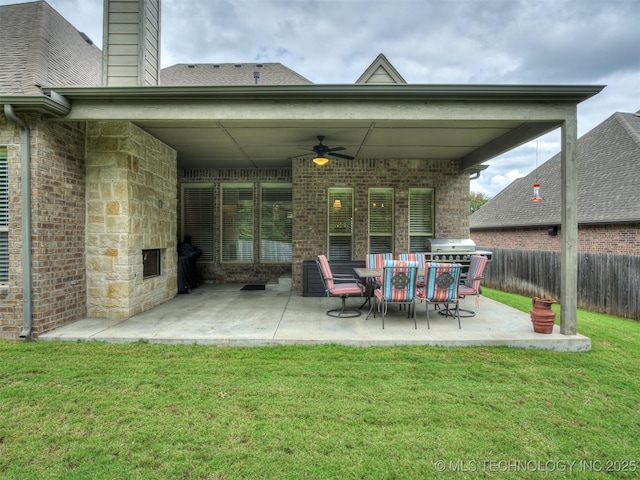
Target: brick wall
pixel 58 212
pixel 617 239
pixel 310 187
pixel 131 206
pixel 311 184
pixel 11 298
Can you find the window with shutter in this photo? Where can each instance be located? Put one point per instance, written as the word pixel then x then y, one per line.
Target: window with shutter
pixel 380 220
pixel 420 218
pixel 4 217
pixel 276 222
pixel 340 223
pixel 197 217
pixel 237 223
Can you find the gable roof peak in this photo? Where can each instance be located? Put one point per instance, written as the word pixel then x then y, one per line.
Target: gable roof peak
pixel 381 71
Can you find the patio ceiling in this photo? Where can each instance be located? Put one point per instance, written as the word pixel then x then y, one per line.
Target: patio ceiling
pixel 264 127
pixel 251 144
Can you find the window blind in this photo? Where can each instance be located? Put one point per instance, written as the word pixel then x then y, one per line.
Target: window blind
pixel 276 222
pixel 237 223
pixel 197 217
pixel 380 220
pixel 340 223
pixel 420 218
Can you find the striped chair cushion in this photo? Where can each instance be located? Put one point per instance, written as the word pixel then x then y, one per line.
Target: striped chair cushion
pixel 398 281
pixel 442 282
pixel 377 260
pixel 471 284
pixel 326 271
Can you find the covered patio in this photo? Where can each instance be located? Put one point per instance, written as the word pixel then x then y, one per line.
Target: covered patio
pixel 226 315
pixel 426 138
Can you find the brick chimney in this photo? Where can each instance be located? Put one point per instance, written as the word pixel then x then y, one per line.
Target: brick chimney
pixel 131 43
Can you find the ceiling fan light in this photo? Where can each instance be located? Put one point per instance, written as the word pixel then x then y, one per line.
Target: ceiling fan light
pixel 321 160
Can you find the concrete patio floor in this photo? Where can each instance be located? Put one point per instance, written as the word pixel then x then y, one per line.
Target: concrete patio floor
pixel 225 315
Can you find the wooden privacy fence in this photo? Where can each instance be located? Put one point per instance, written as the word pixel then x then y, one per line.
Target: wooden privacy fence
pixel 606 283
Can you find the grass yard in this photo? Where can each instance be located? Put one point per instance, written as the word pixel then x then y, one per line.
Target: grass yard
pixel 126 411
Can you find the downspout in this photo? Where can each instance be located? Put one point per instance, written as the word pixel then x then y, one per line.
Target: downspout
pixel 25 166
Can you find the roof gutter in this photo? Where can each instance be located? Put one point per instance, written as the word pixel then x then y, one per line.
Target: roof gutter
pixel 474 173
pixel 25 165
pixel 423 92
pixel 51 104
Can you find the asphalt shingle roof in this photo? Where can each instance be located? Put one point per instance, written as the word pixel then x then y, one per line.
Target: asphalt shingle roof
pixel 608 182
pixel 41 48
pixel 230 74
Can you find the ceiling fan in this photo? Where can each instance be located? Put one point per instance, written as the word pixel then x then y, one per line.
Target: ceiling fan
pixel 322 151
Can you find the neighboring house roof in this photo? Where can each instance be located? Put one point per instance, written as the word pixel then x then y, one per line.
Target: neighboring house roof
pixel 381 71
pixel 41 48
pixel 183 74
pixel 608 176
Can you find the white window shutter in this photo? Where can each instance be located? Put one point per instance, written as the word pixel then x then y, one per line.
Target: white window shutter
pixel 340 223
pixel 380 220
pixel 421 222
pixel 4 217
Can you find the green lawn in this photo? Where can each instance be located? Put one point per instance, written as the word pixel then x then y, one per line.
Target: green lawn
pixel 125 411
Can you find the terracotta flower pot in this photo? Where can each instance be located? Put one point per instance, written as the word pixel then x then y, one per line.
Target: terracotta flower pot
pixel 542 317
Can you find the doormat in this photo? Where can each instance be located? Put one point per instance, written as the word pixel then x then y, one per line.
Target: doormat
pixel 254 286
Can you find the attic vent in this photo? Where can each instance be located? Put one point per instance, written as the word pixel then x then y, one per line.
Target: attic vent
pixel 86 38
pixel 191 66
pixel 259 65
pixel 216 66
pixel 238 66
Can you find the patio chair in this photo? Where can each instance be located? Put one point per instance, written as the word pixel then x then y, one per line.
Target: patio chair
pixel 377 260
pixel 441 288
pixel 398 287
pixel 339 285
pixel 414 257
pixel 471 284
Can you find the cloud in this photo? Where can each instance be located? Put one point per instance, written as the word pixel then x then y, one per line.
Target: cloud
pixel 428 41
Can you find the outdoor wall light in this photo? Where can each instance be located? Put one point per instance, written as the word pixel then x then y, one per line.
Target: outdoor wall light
pixel 337 203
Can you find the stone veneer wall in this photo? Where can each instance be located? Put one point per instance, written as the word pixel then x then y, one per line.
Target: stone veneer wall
pixel 615 238
pixel 310 189
pixel 128 174
pixel 58 226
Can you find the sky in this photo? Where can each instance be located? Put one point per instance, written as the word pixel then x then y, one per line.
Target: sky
pixel 566 42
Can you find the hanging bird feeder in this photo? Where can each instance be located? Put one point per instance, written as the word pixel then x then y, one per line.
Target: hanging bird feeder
pixel 536 186
pixel 536 194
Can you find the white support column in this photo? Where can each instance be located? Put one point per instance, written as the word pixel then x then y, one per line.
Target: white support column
pixel 569 254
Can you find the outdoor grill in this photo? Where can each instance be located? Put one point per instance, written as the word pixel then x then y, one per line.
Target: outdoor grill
pixel 457 250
